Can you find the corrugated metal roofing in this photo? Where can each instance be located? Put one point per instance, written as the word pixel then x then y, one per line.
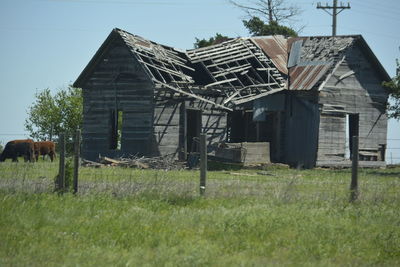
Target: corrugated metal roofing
pixel 276 48
pixel 312 57
pixel 306 77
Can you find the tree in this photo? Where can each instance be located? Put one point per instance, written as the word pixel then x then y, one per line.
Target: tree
pixel 267 17
pixel 270 10
pixel 257 27
pixel 217 39
pixel 393 88
pixel 51 115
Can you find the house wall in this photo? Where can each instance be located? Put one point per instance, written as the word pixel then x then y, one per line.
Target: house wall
pixel 167 128
pixel 300 133
pixel 347 93
pixel 170 126
pixel 117 82
pixel 213 121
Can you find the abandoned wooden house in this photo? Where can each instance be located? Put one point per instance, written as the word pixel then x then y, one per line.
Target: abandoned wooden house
pixel 303 96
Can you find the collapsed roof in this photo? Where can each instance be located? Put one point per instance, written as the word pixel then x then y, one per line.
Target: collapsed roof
pixel 241 69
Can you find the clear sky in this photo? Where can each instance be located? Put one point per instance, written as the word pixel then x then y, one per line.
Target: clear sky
pixel 47 43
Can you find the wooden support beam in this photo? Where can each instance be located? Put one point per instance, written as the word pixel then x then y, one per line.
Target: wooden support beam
pixel 247 99
pixel 60 185
pixel 192 95
pixel 77 145
pixel 233 70
pixel 229 60
pixel 203 163
pixel 199 52
pixel 354 170
pixel 232 96
pixel 153 57
pixel 178 74
pixel 224 54
pixel 220 82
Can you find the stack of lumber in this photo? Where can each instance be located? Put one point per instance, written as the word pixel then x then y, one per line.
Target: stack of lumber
pixel 163 163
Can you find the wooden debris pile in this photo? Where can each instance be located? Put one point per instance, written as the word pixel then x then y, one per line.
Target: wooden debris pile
pixel 160 163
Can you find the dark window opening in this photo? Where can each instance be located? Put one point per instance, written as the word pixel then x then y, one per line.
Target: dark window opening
pixel 242 128
pixel 193 130
pixel 352 129
pixel 115 129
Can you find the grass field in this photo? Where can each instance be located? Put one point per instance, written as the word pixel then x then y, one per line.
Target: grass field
pixel 128 217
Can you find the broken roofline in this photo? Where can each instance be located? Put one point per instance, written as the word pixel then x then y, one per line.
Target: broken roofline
pixel 215 64
pixel 239 69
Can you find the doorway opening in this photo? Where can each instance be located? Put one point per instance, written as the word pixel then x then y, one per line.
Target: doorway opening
pixel 241 127
pixel 352 129
pixel 193 130
pixel 116 120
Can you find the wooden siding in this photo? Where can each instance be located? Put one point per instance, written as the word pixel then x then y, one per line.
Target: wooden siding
pixel 354 88
pixel 167 129
pixel 301 131
pixel 213 121
pixel 117 83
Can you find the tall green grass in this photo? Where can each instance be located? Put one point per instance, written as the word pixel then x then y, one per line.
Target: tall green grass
pixel 128 217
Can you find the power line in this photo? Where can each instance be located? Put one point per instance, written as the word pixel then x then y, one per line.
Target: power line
pixel 335 11
pixel 382 4
pixel 379 8
pixel 377 15
pixel 373 33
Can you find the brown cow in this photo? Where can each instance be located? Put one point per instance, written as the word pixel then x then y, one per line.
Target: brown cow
pixel 18 148
pixel 45 148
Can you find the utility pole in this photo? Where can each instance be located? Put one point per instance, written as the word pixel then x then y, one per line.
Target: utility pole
pixel 335 11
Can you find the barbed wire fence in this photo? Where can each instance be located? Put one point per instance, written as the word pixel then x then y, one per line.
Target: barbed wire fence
pixel 41 177
pixel 392 151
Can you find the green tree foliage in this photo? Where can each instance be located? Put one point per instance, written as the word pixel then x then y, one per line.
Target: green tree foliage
pixel 257 27
pixel 217 39
pixel 51 115
pixel 393 88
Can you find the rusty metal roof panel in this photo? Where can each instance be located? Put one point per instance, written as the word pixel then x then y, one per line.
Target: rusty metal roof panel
pixel 276 48
pixel 312 57
pixel 305 77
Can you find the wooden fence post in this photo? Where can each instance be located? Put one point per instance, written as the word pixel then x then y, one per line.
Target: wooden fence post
pixel 354 171
pixel 203 163
pixel 61 171
pixel 77 146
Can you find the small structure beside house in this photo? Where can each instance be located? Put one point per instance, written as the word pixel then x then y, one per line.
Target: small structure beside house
pixel 305 96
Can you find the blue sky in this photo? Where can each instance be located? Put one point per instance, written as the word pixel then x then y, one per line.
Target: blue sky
pixel 47 43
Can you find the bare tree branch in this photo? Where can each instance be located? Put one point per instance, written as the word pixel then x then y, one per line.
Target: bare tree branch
pixel 270 10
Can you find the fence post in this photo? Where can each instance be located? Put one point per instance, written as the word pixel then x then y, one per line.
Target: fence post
pixel 77 145
pixel 203 163
pixel 61 171
pixel 354 171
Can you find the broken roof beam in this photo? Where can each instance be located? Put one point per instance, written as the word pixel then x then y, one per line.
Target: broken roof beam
pixel 199 52
pixel 223 54
pixel 258 86
pixel 164 61
pixel 212 50
pixel 229 60
pixel 220 82
pixel 248 99
pixel 192 95
pixel 231 70
pixel 177 74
